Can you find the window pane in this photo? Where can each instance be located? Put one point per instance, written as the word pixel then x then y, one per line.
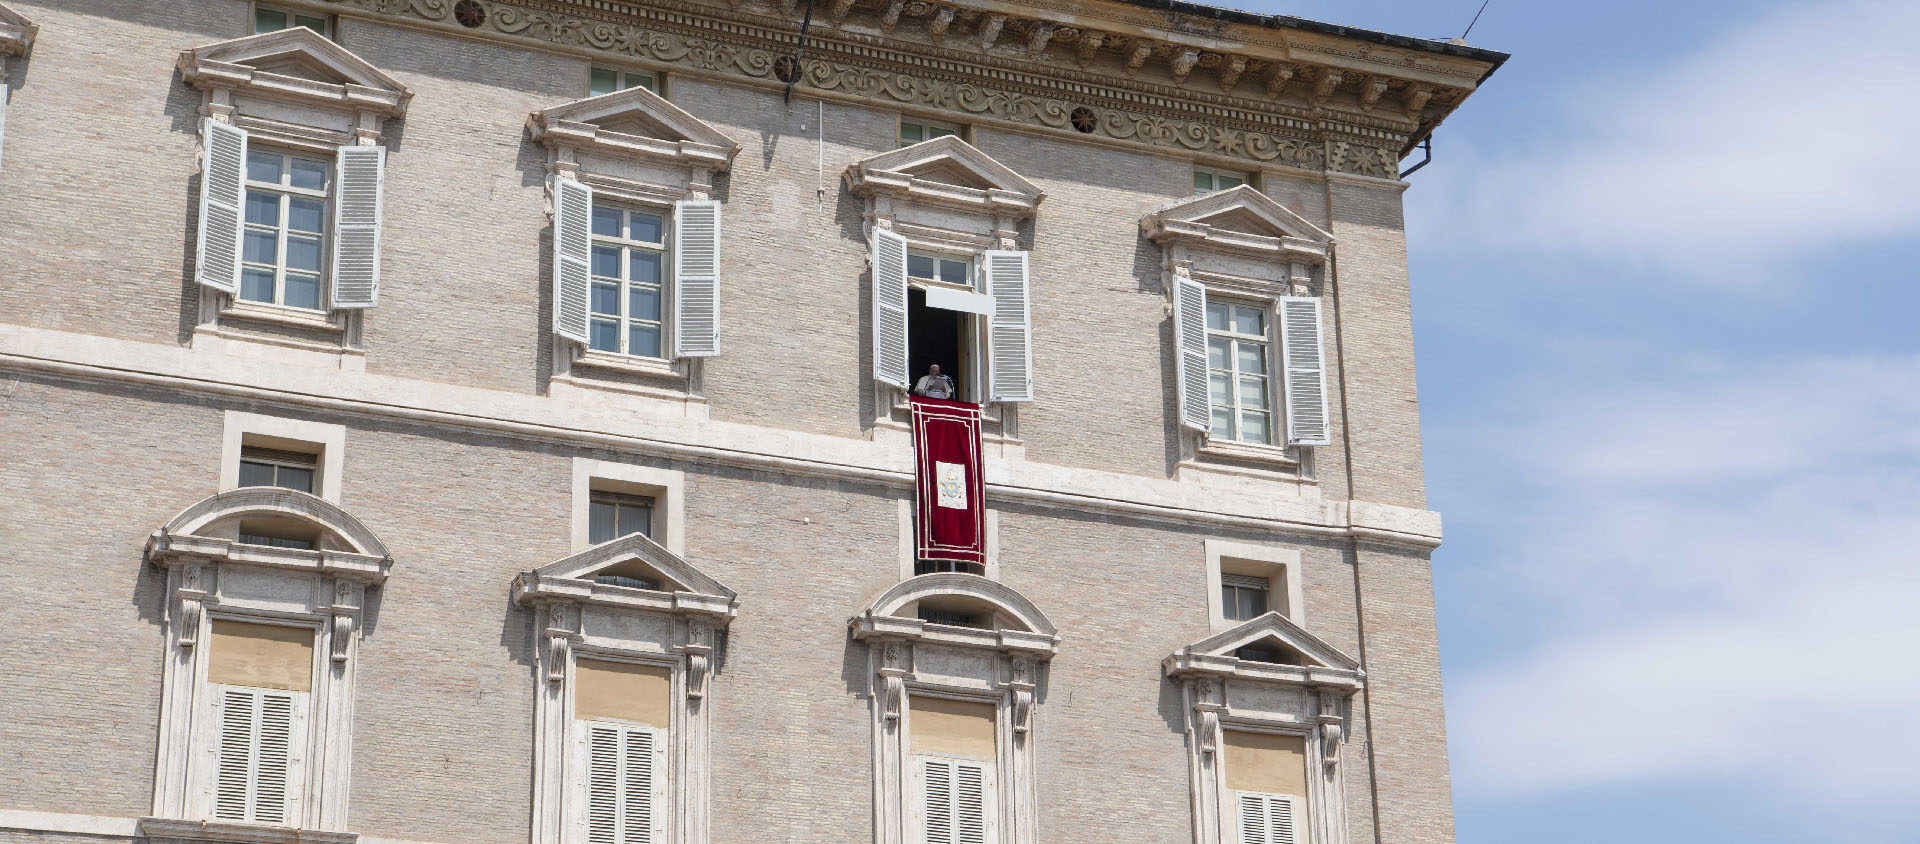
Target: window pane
pixel 303 291
pixel 1253 393
pixel 255 474
pixel 1217 316
pixel 1202 182
pixel 643 303
pixel 307 174
pixel 263 208
pixel 303 253
pixel 1251 358
pixel 268 20
pixel 1223 422
pixel 1231 182
pixel 291 478
pixel 953 272
pixel 643 267
pixel 639 80
pixel 1253 602
pixel 911 133
pixel 644 227
pixel 600 522
pixel 1217 352
pixel 635 519
pixel 1253 427
pixel 256 285
pixel 1220 389
pixel 1249 320
pixel 938 132
pixel 303 214
pixel 261 247
pixel 606 221
pixel 643 340
pixel 316 24
pixel 606 261
pixel 606 299
pixel 263 166
pixel 605 335
pixel 920 266
pixel 604 81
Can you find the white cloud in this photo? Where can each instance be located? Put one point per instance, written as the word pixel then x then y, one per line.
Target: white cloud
pixel 1789 135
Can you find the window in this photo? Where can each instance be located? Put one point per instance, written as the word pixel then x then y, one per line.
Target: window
pixel 259 676
pixel 955 753
pixel 611 515
pixel 1208 181
pixel 629 259
pixel 285 233
pixel 273 467
pixel 621 715
pixel 606 80
pixel 941 336
pixel 268 19
pixel 955 618
pixel 1265 818
pixel 1243 597
pixel 1237 354
pixel 915 131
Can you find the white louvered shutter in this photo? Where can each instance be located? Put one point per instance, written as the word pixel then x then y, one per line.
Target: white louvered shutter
pixel 937 789
pixel 1190 339
pixel 1010 331
pixel 257 776
pixel 1306 375
pixel 696 278
pixel 956 802
pixel 890 308
pixel 970 821
pixel 572 257
pixel 1266 818
pixel 621 781
pixel 360 177
pixel 223 169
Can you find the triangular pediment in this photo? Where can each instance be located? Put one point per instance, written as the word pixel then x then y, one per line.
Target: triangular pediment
pixel 634 557
pixel 301 53
pixel 1274 634
pixel 1242 210
pixel 639 112
pixel 949 160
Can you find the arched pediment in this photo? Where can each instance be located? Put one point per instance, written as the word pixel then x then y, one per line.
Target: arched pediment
pixel 674 583
pixel 288 63
pixel 945 171
pixel 1238 219
pixel 272 502
pixel 634 122
pixel 968 587
pixel 16 33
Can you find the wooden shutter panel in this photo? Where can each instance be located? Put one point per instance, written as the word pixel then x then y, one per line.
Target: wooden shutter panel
pixel 1305 373
pixel 273 757
pixel 1010 331
pixel 969 804
pixel 572 255
pixel 636 780
pixel 937 786
pixel 889 308
pixel 696 278
pixel 257 774
pixel 223 169
pixel 233 774
pixel 1190 338
pixel 360 174
pixel 603 785
pixel 1280 819
pixel 1266 818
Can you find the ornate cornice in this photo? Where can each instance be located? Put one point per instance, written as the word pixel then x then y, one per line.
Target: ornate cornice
pixel 1293 99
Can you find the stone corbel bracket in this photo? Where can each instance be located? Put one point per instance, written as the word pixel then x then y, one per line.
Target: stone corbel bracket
pixel 16 35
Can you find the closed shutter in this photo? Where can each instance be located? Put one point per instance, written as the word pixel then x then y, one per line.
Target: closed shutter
pixel 572 254
pixel 938 788
pixel 621 783
pixel 956 802
pixel 1010 332
pixel 222 189
pixel 696 278
pixel 889 308
pixel 1266 818
pixel 360 178
pixel 1190 338
pixel 257 773
pixel 1306 376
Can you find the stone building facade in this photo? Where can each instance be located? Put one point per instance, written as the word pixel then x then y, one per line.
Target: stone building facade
pixel 483 422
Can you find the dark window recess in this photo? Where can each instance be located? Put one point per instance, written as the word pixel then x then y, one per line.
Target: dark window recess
pixel 931 566
pixel 950 617
pixel 623 580
pixel 276 541
pixel 611 515
pixel 1277 656
pixel 938 337
pixel 1243 598
pixel 272 467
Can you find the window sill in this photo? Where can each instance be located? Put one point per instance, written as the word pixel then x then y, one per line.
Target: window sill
pixel 1230 450
pixel 158 829
pixel 655 367
pixel 282 315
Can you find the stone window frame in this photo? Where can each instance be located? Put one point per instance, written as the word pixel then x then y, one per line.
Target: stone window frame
pixel 667 488
pixel 1293 259
pixel 1313 700
pixel 327 441
pixel 1005 666
pixel 210 575
pixel 913 207
pixel 1280 566
pixel 677 627
pixel 291 113
pixel 632 171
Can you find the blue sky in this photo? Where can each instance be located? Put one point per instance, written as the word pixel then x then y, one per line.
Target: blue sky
pixel 1664 306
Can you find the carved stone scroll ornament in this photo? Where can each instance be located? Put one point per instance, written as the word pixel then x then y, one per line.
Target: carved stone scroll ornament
pixel 1332 728
pixel 1022 685
pixel 189 620
pixel 699 649
pixel 342 633
pixel 893 680
pixel 559 644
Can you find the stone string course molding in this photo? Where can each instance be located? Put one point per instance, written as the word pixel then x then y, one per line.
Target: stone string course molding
pixel 747 50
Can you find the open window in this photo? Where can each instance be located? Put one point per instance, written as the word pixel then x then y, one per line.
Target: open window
pixel 956 665
pixel 950 288
pixel 262 641
pixel 624 640
pixel 1268 708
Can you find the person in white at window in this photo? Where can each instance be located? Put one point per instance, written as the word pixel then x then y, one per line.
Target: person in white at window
pixel 933 385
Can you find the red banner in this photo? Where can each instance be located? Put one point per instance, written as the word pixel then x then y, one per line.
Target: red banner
pixel 952 517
